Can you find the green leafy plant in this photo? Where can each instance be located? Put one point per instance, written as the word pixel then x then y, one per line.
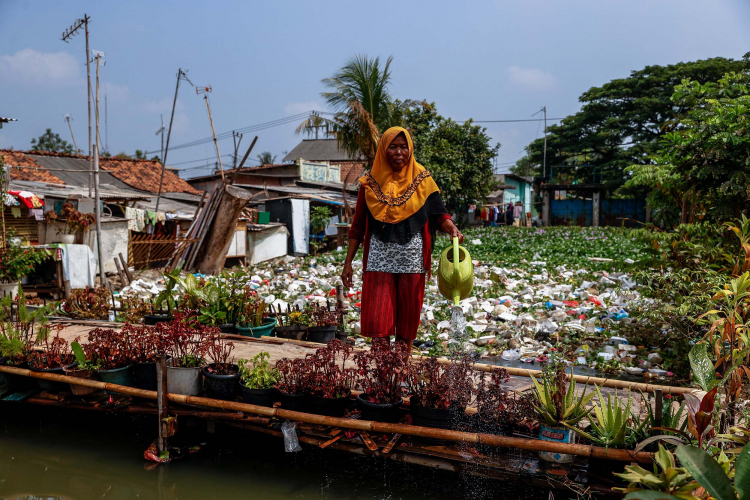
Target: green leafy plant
pixel 715 476
pixel 556 401
pixel 167 296
pixel 21 328
pixel 16 262
pixel 611 426
pixel 665 481
pixel 84 363
pixel 252 311
pixel 320 218
pixel 261 375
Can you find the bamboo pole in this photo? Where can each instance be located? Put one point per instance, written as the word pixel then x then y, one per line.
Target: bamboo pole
pixel 358 425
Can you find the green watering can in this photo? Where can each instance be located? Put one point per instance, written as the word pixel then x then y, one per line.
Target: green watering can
pixel 455 281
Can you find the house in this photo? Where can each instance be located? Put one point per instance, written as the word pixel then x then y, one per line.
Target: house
pixel 520 188
pixel 326 151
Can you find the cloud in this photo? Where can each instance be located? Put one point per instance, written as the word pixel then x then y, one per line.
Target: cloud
pixel 115 92
pixel 164 107
pixel 531 78
pixel 294 108
pixel 28 66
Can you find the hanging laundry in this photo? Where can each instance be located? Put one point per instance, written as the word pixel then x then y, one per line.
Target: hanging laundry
pixel 16 211
pixel 140 220
pixel 37 213
pixel 10 200
pixel 160 217
pixel 26 198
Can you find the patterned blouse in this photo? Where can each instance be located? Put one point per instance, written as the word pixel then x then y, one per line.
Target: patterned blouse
pixel 392 257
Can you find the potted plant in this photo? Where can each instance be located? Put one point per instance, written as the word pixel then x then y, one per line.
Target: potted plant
pixel 440 393
pixel 292 384
pixel 381 375
pixel 213 312
pixel 293 325
pixel 257 383
pixel 222 377
pixel 113 351
pixel 54 358
pixel 75 222
pixel 186 341
pixel 558 408
pixel 164 297
pixel 250 321
pixel 20 331
pixel 147 344
pixel 133 309
pixel 323 324
pixel 329 381
pixel 84 368
pixel 87 303
pixel 16 262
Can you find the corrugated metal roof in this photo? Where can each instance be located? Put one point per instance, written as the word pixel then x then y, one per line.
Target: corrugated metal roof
pixel 68 169
pixel 318 150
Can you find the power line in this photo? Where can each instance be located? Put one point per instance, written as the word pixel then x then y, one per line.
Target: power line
pixel 510 121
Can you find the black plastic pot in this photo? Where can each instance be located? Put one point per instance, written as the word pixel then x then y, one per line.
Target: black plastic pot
pixel 329 407
pixel 258 397
pixel 321 334
pixel 227 328
pixel 152 319
pixel 431 417
pixel 19 383
pixel 342 336
pixel 296 332
pixel 144 376
pixel 294 402
pixel 48 385
pixel 379 412
pixel 221 386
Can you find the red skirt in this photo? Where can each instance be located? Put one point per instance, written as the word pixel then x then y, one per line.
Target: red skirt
pixel 391 304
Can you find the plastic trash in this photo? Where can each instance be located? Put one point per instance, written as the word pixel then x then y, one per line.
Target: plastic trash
pixel 291 443
pixel 511 354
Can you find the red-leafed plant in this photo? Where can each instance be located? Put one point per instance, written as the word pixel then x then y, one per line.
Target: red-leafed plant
pixel 328 376
pixel 145 341
pixel 185 339
pixel 322 316
pixel 56 354
pixel 110 348
pixel 293 376
pixel 381 373
pixel 500 410
pixel 220 351
pixel 433 384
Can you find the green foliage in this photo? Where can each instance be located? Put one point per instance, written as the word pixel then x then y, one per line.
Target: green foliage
pixel 83 362
pixel 701 167
pixel 16 261
pixel 636 110
pixel 266 158
pixel 611 426
pixel 666 479
pixel 709 473
pixel 261 375
pixel 555 400
pixel 50 141
pixel 320 218
pixel 166 296
pixel 20 328
pixel 459 156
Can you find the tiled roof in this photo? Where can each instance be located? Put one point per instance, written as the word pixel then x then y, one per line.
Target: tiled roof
pixel 138 174
pixel 38 173
pixel 318 150
pixel 145 175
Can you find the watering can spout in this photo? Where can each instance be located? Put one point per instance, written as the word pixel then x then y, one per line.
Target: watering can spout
pixel 455 273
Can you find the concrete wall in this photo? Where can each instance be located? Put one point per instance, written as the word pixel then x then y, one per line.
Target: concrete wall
pixel 522 193
pixel 114 239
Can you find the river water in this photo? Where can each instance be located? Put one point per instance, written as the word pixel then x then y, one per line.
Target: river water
pixel 50 454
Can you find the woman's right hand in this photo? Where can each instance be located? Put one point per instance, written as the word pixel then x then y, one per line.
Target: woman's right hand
pixel 346 275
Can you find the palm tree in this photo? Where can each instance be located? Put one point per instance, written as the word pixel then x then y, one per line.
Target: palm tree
pixel 266 158
pixel 362 106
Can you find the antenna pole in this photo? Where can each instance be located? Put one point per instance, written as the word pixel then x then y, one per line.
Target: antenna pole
pixel 106 121
pixel 180 73
pixel 97 200
pixel 67 119
pixel 544 161
pixel 216 143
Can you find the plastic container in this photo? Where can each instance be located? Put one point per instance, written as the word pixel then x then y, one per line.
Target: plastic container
pixel 221 386
pixel 18 383
pixel 321 334
pixel 431 417
pixel 185 381
pixel 227 328
pixel 144 376
pixel 81 390
pixel 375 412
pixel 118 376
pixel 264 217
pixel 257 331
pixel 296 332
pixel 559 435
pixel 293 402
pixel 152 319
pixel 258 397
pixel 330 407
pixel 48 385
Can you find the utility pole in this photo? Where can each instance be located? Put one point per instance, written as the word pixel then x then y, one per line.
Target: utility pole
pixel 181 74
pixel 97 199
pixel 205 91
pixel 67 34
pixel 67 119
pixel 237 138
pixel 161 133
pixel 544 158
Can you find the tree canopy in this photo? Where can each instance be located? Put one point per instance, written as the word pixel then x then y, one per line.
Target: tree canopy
pixel 459 156
pixel 621 122
pixel 702 167
pixel 266 158
pixel 49 141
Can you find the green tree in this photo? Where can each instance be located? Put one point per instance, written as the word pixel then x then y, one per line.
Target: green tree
pixel 621 122
pixel 266 158
pixel 362 104
pixel 459 157
pixel 702 169
pixel 525 167
pixel 50 141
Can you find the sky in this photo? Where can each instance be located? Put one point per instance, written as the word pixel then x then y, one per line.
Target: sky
pixel 485 60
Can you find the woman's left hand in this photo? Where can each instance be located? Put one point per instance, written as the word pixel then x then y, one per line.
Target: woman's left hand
pixel 450 228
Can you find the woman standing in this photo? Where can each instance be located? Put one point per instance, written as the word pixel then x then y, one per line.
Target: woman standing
pixel 398 211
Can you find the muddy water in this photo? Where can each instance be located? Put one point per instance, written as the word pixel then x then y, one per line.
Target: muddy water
pixel 84 455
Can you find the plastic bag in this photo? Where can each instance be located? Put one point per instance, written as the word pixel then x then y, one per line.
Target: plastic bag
pixel 510 354
pixel 291 443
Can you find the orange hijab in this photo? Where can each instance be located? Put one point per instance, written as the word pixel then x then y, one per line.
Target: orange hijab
pixel 395 196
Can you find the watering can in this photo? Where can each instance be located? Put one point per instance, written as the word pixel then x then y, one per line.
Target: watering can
pixel 455 276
